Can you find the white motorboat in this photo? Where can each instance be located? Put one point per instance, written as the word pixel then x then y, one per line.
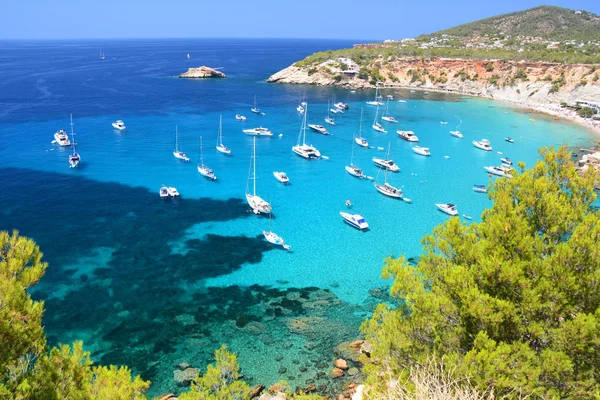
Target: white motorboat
pixel 281 177
pixel 355 220
pixel 449 209
pixel 74 157
pixel 300 109
pixel 164 192
pixel 336 111
pixel 389 96
pixel 386 163
pixel 240 117
pixel 389 119
pixel 220 146
pixel 203 168
pixel 499 171
pixel 255 109
pixel 386 116
pixel 401 101
pixel 341 105
pixel 61 138
pixel 444 122
pixel 260 131
pixel 275 239
pixel 483 144
pixel 302 149
pixel 424 151
pixel 118 124
pixel 509 139
pixel 328 118
pixel 408 136
pixel 376 125
pixel 255 202
pixel 180 155
pixel 377 102
pixel 506 160
pixel 456 134
pixel 480 188
pixel 318 128
pixel 172 191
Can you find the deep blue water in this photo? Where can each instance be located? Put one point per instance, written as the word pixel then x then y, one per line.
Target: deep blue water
pixel 150 283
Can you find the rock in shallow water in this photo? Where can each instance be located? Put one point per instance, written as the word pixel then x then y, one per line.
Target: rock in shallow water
pixel 202 72
pixel 185 377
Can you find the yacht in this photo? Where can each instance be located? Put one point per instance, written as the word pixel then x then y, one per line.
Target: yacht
pixel 336 110
pixel 359 139
pixel 408 136
pixel 424 151
pixel 506 160
pixel 499 171
pixel 509 140
pixel 172 191
pixel 444 122
pixel 240 117
pixel 281 177
pixel 456 134
pixel 164 192
pixel 377 102
pixel 275 239
pixel 220 146
pixel 449 209
pixel 260 131
pixel 61 138
pixel 480 188
pixel 389 190
pixel 202 168
pixel 355 220
pixel 302 149
pixel 341 106
pixel 300 107
pixel 74 157
pixel 179 154
pixel 388 163
pixel 118 124
pixel 483 144
pixel 318 128
pixel 257 204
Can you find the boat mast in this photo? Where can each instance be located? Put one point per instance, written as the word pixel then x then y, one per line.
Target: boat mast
pixel 360 125
pixel 304 125
pixel 352 154
pixel 254 158
pixel 176 146
pixel 376 114
pixel 221 130
pixel 73 133
pixel 201 153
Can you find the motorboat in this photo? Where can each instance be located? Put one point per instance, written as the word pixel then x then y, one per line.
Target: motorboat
pixel 74 157
pixel 456 134
pixel 255 202
pixel 330 121
pixel 401 101
pixel 509 139
pixel 499 171
pixel 300 109
pixel 386 163
pixel 506 160
pixel 341 106
pixel 172 191
pixel 389 190
pixel 444 122
pixel 220 146
pixel 61 138
pixel 240 117
pixel 275 239
pixel 164 192
pixel 202 168
pixel 318 128
pixel 389 119
pixel 260 131
pixel 336 110
pixel 389 96
pixel 408 136
pixel 354 171
pixel 180 155
pixel 483 144
pixel 281 177
pixel 424 151
pixel 354 220
pixel 301 148
pixel 449 209
pixel 118 124
pixel 480 188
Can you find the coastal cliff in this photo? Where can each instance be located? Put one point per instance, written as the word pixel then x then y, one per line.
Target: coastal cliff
pixel 202 72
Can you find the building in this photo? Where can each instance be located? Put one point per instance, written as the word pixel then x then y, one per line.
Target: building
pixel 591 104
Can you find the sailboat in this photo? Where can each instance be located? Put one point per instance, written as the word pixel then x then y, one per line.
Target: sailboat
pixel 74 158
pixel 386 188
pixel 305 150
pixel 257 204
pixel 353 169
pixel 274 238
pixel 102 56
pixel 300 107
pixel 202 168
pixel 220 146
pixel 255 109
pixel 376 125
pixel 179 154
pixel 359 140
pixel 386 116
pixel 377 101
pixel 328 118
pixel 387 163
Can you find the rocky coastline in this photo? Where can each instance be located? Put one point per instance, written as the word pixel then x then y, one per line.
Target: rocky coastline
pixel 586 159
pixel 201 73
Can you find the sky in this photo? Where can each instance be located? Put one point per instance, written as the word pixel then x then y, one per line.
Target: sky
pixel 340 19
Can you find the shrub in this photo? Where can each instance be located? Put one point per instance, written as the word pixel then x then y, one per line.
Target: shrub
pixel 312 71
pixel 489 67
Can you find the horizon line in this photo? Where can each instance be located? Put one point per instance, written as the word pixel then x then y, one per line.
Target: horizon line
pixel 188 38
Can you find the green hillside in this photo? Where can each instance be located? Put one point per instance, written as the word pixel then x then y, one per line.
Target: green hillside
pixel 548 22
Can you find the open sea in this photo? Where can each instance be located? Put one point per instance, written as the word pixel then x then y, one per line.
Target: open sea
pixel 151 283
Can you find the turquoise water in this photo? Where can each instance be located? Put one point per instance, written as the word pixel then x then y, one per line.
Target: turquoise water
pixel 150 283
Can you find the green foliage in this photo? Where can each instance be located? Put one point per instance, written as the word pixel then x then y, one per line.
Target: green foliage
pixel 493 80
pixel 363 73
pixel 115 383
pixel 337 78
pixel 393 77
pixel 312 71
pixel 489 67
pixel 548 78
pixel 512 302
pixel 595 79
pixel 586 112
pixel 582 82
pixel 521 74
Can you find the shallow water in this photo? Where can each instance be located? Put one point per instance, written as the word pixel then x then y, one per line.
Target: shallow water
pixel 151 283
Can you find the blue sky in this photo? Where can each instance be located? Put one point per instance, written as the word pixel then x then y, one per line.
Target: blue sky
pixel 347 19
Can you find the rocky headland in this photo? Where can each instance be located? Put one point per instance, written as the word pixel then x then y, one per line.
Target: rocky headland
pixel 201 73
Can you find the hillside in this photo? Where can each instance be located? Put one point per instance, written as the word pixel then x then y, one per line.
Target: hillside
pixel 548 22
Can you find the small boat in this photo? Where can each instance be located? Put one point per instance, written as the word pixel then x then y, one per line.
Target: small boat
pixel 180 155
pixel 386 163
pixel 188 56
pixel 377 102
pixel 74 157
pixel 354 220
pixel 220 146
pixel 341 106
pixel 281 177
pixel 118 124
pixel 480 188
pixel 389 190
pixel 389 96
pixel 202 168
pixel 348 204
pixel 509 139
pixel 172 191
pixel 301 148
pixel 328 118
pixel 456 134
pixel 444 122
pixel 499 171
pixel 335 110
pixel 408 136
pixel 164 192
pixel 506 160
pixel 275 239
pixel 412 91
pixel 376 125
pixel 386 116
pixel 483 144
pixel 318 128
pixel 300 107
pixel 401 101
pixel 61 137
pixel 424 151
pixel 240 117
pixel 465 216
pixel 255 109
pixel 531 120
pixel 354 171
pixel 102 56
pixel 353 91
pixel 359 139
pixel 449 209
pixel 255 202
pixel 260 131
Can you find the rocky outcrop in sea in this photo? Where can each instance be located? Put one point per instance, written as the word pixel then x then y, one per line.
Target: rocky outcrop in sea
pixel 202 72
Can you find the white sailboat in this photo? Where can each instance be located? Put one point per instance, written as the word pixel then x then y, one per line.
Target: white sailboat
pixel 300 107
pixel 377 101
pixel 376 125
pixel 255 109
pixel 220 146
pixel 302 149
pixel 387 163
pixel 386 116
pixel 359 140
pixel 386 188
pixel 274 238
pixel 202 168
pixel 257 204
pixel 353 169
pixel 180 155
pixel 328 118
pixel 74 157
pixel 102 56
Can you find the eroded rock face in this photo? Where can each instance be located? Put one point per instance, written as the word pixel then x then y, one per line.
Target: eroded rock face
pixel 202 72
pixel 185 377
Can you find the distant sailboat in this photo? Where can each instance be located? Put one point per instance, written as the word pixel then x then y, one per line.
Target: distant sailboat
pixel 74 158
pixel 102 56
pixel 377 101
pixel 386 188
pixel 328 118
pixel 220 146
pixel 188 56
pixel 274 238
pixel 376 125
pixel 386 116
pixel 202 168
pixel 255 109
pixel 302 149
pixel 359 140
pixel 257 204
pixel 180 155
pixel 353 169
